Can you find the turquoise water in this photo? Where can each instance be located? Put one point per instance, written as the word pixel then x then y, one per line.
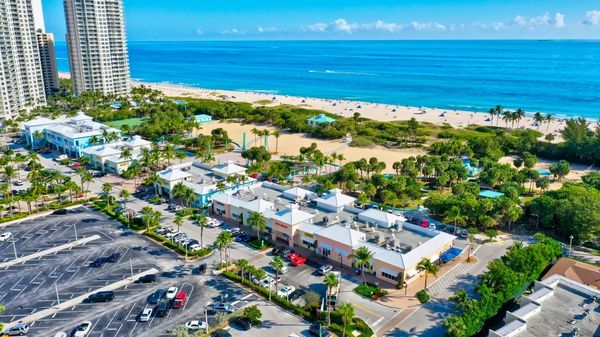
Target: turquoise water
pixel 559 77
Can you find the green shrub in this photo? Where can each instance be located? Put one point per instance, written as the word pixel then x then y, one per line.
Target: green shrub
pixel 360 141
pixel 423 296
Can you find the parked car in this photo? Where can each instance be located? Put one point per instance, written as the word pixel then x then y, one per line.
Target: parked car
pixel 202 268
pixel 223 307
pixel 242 322
pixel 61 157
pixel 61 211
pixel 114 257
pixel 98 174
pixel 18 183
pixel 221 333
pixel 102 296
pixel 318 330
pixel 194 247
pixel 296 294
pixel 297 259
pixel 145 315
pixel 18 329
pixel 286 291
pixel 150 278
pixel 171 293
pixel 158 295
pixel 75 165
pixel 180 300
pixel 266 282
pixel 60 334
pixel 286 253
pixel 82 329
pixel 283 270
pixel 163 307
pixel 195 325
pixel 5 236
pixel 277 250
pixel 325 269
pixel 99 262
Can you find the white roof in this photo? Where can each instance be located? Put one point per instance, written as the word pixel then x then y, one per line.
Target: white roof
pixel 385 255
pixel 342 234
pixel 102 150
pixel 335 198
pixel 228 199
pixel 171 174
pixel 292 215
pixel 137 141
pixel 258 205
pixel 298 193
pixel 200 189
pixel 309 228
pixel 228 168
pixel 426 248
pixel 375 215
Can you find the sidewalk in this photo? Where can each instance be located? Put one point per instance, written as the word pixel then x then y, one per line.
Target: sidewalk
pixel 406 298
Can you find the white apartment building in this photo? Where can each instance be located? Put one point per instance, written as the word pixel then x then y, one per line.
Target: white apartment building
pixel 21 78
pixel 97 46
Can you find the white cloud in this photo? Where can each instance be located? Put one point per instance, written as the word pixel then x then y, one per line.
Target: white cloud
pixel 557 20
pixel 343 26
pixel 233 31
pixel 316 27
pixel 427 26
pixel 592 18
pixel 262 29
pixel 199 31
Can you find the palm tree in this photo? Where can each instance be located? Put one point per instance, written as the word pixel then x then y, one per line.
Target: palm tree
pixel 169 153
pixel 181 156
pixel 492 112
pixel 257 222
pixel 429 268
pixel 362 258
pixel 539 119
pixel 243 265
pixel 277 265
pixel 549 119
pixel 148 216
pixel 124 195
pixel 455 216
pixel 331 281
pixel 461 300
pixel 153 179
pixel 223 241
pixel 518 115
pixel 94 140
pixel 202 223
pixel 179 222
pixel 221 186
pixel 126 154
pixel 9 173
pixel 71 186
pixel 178 191
pixel 277 134
pixel 256 132
pixel 499 112
pixel 346 311
pixel 189 196
pixel 106 188
pixel 84 177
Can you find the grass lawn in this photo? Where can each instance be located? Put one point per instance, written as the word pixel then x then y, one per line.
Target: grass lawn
pixel 131 122
pixel 367 290
pixel 256 244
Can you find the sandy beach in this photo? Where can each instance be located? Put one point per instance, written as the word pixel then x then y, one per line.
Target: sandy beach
pixel 376 111
pixel 290 144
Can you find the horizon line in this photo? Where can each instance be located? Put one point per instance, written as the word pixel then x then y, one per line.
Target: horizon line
pixel 364 40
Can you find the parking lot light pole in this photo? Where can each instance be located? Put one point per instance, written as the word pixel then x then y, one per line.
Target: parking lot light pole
pixel 75 226
pixel 206 315
pixel 57 297
pixel 570 244
pixel 15 250
pixel 131 267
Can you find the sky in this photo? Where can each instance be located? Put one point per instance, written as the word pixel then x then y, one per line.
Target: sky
pixel 167 20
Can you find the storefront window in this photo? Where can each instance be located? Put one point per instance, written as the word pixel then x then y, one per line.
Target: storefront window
pixel 390 276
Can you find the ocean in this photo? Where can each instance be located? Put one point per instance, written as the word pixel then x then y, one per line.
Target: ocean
pixel 558 77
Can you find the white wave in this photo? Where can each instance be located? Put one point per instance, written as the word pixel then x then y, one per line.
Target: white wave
pixel 336 72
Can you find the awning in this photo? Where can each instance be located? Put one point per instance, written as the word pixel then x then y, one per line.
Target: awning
pixel 342 252
pixel 389 272
pixel 324 245
pixel 219 207
pixel 309 240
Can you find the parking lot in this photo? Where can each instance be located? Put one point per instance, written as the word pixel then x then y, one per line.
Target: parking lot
pixel 38 284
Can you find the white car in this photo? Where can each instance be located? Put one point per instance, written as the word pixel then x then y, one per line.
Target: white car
pixel 283 270
pixel 83 329
pixel 195 247
pixel 266 282
pixel 195 325
pixel 61 334
pixel 61 157
pixel 5 236
pixel 286 291
pixel 171 293
pixel 145 315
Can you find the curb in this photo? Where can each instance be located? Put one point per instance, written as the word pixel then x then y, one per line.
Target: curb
pixel 38 215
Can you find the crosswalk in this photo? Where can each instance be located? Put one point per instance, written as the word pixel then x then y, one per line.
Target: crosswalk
pixel 441 287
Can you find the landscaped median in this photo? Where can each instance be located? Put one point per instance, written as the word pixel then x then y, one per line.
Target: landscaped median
pixel 355 326
pixel 103 207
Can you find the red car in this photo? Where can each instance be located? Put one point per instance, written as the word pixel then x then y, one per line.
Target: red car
pixel 296 259
pixel 75 165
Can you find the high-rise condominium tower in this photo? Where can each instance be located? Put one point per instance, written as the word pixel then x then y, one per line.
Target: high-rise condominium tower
pixel 97 46
pixel 21 79
pixel 48 61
